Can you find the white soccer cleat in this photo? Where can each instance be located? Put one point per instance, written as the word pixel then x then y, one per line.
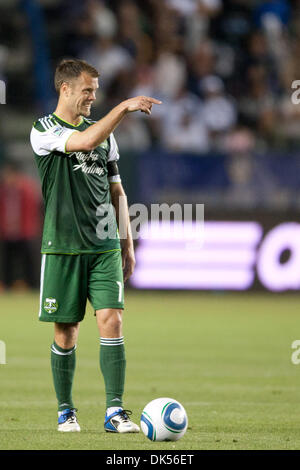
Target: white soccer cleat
pixel 67 421
pixel 119 422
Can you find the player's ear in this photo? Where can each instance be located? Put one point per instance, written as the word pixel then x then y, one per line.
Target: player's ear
pixel 65 89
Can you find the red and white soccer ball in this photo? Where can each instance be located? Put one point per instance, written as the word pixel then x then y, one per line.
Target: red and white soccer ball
pixel 164 419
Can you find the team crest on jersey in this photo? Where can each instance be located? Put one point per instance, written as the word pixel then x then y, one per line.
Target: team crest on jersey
pixel 50 305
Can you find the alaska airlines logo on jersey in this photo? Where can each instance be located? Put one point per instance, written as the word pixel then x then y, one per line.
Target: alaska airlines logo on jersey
pixel 85 159
pixel 50 305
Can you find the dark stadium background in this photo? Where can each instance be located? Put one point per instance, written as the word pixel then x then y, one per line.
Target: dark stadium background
pixel 215 328
pixel 227 134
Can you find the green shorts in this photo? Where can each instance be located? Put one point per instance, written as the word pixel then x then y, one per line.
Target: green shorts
pixel 67 281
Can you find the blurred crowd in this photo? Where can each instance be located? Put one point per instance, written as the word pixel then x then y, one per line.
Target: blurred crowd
pixel 223 69
pixel 20 228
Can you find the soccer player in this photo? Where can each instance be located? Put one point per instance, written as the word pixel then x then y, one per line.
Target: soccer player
pixel 83 256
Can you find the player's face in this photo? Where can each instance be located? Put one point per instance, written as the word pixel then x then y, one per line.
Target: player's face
pixel 83 94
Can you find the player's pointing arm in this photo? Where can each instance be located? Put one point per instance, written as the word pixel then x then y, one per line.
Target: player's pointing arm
pixel 141 103
pixel 98 132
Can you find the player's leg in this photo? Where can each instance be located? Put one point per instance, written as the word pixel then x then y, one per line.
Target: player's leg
pixel 112 354
pixel 63 301
pixel 66 334
pixel 63 363
pixel 113 364
pixel 107 297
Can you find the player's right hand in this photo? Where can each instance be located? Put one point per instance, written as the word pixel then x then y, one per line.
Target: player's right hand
pixel 140 103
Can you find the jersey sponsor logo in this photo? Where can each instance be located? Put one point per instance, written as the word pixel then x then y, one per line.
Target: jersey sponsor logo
pixel 85 168
pixel 85 159
pixel 50 305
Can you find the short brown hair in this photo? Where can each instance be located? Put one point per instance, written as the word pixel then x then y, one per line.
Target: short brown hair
pixel 69 69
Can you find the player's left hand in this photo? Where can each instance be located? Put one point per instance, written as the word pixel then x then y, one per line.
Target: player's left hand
pixel 128 262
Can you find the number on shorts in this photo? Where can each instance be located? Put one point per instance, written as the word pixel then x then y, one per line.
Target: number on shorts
pixel 120 290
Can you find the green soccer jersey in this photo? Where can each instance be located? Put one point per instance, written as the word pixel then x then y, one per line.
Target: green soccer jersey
pixel 78 213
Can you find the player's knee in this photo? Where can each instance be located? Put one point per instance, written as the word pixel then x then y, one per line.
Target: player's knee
pixel 111 322
pixel 115 321
pixel 66 334
pixel 65 343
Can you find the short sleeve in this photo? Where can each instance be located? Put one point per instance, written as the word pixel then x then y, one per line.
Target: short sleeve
pixel 114 150
pixel 50 140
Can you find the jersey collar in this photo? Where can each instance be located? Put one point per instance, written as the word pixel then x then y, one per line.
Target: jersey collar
pixel 66 122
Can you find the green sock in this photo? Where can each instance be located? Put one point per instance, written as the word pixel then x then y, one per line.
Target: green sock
pixel 113 365
pixel 63 363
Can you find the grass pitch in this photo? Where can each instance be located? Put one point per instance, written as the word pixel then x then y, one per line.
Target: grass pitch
pixel 225 357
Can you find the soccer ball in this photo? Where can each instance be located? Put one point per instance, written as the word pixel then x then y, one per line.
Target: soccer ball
pixel 164 419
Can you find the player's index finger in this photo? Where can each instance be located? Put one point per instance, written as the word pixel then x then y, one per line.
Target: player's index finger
pixel 153 100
